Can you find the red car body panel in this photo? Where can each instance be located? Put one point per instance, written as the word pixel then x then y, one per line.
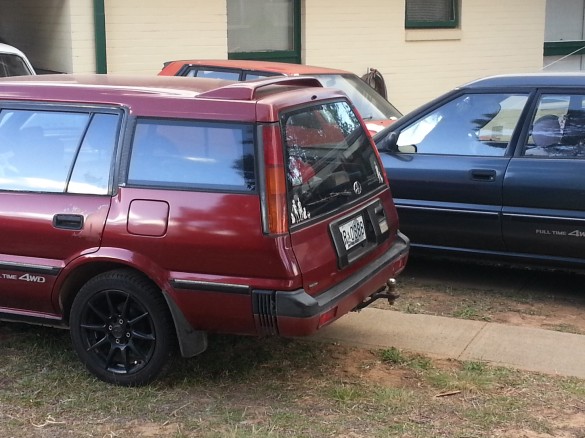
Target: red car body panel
pixel 206 250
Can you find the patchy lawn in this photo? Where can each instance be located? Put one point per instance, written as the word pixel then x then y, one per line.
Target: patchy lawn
pixel 247 387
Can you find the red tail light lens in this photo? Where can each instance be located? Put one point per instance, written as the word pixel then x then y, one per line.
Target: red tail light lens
pixel 276 205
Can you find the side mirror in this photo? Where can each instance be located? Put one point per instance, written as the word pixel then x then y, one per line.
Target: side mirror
pixel 407 149
pixel 388 143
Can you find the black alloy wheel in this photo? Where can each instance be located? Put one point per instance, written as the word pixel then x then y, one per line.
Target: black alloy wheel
pixel 121 328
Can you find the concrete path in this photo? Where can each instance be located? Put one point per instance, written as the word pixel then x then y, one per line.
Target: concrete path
pixel 525 348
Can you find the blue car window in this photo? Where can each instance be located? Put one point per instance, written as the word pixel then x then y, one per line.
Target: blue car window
pixel 557 128
pixel 472 124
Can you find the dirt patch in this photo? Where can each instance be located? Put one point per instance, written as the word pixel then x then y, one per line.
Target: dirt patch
pixel 540 299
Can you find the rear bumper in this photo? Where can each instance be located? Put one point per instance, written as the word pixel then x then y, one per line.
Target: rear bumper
pixel 296 313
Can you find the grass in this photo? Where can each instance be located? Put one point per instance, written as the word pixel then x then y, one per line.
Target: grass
pixel 246 387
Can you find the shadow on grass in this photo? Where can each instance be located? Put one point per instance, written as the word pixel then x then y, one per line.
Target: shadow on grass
pixel 29 350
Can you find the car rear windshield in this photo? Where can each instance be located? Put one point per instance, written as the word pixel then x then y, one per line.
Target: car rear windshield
pixel 330 160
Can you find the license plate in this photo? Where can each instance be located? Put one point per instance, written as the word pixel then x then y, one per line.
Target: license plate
pixel 353 232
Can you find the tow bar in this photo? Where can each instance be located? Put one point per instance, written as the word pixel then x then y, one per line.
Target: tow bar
pixel 388 291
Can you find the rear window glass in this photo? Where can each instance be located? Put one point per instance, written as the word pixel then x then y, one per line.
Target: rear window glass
pixel 214 74
pixel 191 154
pixel 330 160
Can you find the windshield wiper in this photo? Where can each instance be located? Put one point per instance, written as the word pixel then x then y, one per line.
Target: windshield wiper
pixel 330 196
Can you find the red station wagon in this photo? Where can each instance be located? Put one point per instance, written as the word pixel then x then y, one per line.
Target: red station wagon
pixel 143 213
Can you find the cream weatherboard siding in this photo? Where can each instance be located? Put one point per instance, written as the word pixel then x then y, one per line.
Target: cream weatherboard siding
pixel 82 36
pixel 499 36
pixel 142 34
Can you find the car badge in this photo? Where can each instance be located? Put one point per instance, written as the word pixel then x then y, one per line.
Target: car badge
pixel 357 188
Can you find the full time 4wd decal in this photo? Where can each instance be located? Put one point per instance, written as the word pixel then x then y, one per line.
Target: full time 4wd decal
pixel 24 277
pixel 574 233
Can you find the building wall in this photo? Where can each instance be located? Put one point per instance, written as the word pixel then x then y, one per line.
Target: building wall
pixel 82 37
pixel 495 37
pixel 142 34
pixel 498 36
pixel 41 29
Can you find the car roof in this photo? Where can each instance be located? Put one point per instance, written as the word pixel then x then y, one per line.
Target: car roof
pixel 529 80
pixel 5 48
pixel 28 86
pixel 271 67
pixel 148 95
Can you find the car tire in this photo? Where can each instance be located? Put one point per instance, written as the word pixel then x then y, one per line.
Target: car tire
pixel 121 328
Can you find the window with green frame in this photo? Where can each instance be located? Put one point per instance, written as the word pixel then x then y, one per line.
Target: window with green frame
pixel 429 14
pixel 266 30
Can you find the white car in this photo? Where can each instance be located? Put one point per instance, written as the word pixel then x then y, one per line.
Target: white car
pixel 13 62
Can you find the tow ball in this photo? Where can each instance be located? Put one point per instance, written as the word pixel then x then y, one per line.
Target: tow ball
pixel 388 291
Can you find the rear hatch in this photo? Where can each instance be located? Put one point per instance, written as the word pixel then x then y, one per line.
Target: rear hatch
pixel 341 213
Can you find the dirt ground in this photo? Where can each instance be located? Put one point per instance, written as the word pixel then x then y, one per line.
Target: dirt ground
pixel 542 299
pixel 247 387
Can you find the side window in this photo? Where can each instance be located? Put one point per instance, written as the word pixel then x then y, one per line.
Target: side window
pixel 558 128
pixel 37 148
pixel 472 124
pixel 214 74
pixel 92 169
pixel 189 154
pixel 250 76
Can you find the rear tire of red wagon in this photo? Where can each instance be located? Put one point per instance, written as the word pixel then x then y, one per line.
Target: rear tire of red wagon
pixel 121 328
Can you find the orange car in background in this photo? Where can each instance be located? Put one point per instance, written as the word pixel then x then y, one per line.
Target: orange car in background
pixel 376 111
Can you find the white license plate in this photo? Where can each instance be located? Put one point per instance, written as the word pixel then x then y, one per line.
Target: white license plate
pixel 353 232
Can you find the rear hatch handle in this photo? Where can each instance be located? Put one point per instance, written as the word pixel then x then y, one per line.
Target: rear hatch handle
pixel 486 175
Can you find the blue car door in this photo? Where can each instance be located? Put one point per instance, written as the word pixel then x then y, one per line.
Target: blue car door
pixel 544 187
pixel 449 192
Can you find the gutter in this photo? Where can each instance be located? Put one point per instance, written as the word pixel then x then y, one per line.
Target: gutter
pixel 99 19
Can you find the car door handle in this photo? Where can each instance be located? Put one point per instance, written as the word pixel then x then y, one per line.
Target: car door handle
pixel 68 221
pixel 488 175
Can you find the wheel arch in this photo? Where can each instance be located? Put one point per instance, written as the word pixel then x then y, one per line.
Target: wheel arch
pixel 191 342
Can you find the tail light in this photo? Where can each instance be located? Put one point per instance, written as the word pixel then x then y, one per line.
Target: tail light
pixel 276 204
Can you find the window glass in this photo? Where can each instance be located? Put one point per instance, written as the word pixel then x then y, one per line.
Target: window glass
pixel 369 103
pixel 558 127
pixel 431 13
pixel 215 74
pixel 472 124
pixel 12 65
pixel 330 160
pixel 250 76
pixel 37 148
pixel 91 173
pixel 190 154
pixel 260 25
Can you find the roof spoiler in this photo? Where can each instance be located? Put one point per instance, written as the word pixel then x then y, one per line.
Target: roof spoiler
pixel 248 90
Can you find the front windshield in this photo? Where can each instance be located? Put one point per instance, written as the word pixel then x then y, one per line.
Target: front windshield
pixel 370 104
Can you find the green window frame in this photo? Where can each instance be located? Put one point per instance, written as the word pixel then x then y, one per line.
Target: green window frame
pixel 431 14
pixel 291 56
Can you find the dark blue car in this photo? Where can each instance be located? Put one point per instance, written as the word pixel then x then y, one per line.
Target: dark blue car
pixel 494 169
